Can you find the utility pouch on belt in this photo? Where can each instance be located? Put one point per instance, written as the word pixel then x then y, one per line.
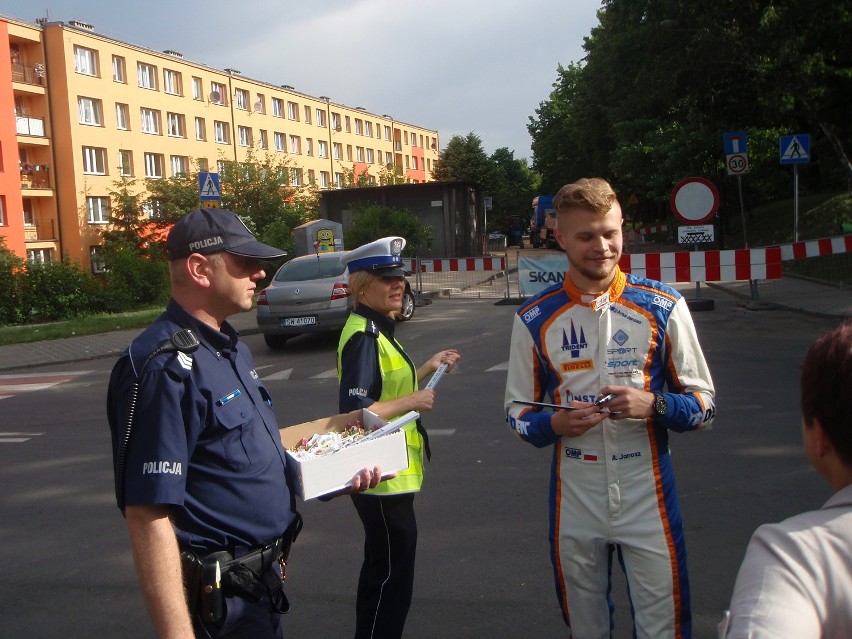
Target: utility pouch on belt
pixel 191 568
pixel 212 597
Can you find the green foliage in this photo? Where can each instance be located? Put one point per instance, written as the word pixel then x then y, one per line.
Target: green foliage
pixel 59 291
pixel 11 309
pixel 134 278
pixel 464 160
pixel 373 221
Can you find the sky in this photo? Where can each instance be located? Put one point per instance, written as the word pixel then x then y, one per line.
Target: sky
pixel 455 66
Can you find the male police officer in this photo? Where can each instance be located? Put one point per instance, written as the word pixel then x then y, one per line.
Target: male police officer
pixel 201 474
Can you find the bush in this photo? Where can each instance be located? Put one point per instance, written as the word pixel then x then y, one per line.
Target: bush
pixel 58 291
pixel 373 221
pixel 10 291
pixel 135 280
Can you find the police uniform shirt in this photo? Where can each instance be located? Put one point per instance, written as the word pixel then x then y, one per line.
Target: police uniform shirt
pixel 204 439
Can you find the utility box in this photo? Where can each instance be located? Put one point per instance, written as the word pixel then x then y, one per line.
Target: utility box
pixel 318 236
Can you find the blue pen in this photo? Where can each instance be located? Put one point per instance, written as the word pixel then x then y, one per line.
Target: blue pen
pixel 228 398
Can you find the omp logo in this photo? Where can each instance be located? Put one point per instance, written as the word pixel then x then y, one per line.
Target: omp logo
pixel 531 314
pixel 519 425
pixel 582 365
pixel 620 337
pixel 575 344
pixel 579 453
pixel 208 241
pixel 662 302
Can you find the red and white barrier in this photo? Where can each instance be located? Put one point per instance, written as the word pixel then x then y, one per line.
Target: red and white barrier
pixel 447 265
pixel 727 266
pixel 648 230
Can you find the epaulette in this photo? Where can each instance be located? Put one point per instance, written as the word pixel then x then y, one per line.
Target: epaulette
pixel 372 328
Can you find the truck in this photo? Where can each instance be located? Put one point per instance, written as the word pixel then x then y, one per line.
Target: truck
pixel 542 222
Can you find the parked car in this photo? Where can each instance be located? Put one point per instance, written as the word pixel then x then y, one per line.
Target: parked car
pixel 310 294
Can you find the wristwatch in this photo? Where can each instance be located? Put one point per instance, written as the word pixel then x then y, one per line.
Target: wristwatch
pixel 661 406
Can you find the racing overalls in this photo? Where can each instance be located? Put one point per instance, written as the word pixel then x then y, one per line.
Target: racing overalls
pixel 612 488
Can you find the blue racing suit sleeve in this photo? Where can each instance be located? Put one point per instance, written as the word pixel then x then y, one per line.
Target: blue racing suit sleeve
pixel 526 381
pixel 360 378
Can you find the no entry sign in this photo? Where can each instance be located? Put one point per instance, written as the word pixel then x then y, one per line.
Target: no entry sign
pixel 695 200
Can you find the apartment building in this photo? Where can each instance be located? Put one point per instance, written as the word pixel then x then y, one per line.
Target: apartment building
pixel 118 110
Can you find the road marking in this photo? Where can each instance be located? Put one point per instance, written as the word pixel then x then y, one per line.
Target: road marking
pixel 441 432
pixel 499 367
pixel 11 385
pixel 331 372
pixel 285 374
pixel 17 438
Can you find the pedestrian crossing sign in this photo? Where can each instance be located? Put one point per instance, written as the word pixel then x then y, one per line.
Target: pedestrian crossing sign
pixel 795 149
pixel 208 187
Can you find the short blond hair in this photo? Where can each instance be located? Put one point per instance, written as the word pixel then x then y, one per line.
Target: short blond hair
pixel 592 194
pixel 358 283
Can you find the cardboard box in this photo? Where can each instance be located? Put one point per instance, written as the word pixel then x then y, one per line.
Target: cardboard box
pixel 320 476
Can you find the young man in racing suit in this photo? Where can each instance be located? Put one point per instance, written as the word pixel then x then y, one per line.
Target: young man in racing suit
pixel 603 333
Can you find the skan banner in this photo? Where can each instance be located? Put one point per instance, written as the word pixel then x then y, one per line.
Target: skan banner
pixel 537 273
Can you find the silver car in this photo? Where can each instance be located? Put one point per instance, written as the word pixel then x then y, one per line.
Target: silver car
pixel 309 294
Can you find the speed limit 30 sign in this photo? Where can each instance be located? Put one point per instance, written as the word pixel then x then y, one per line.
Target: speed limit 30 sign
pixel 737 163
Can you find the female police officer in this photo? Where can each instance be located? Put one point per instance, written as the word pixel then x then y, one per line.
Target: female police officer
pixel 375 372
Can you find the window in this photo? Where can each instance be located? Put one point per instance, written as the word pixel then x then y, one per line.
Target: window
pixel 125 163
pixel 202 164
pixel 29 217
pixel 309 146
pixel 369 156
pixel 3 210
pixel 359 126
pixel 280 141
pixel 97 210
pixel 260 103
pixel 217 93
pixel 348 152
pixel 368 129
pixel 94 160
pixel 177 125
pixel 388 158
pixel 322 149
pixel 147 75
pixel 180 165
pixel 40 256
pixel 277 107
pixel 293 111
pixel 150 121
pixel 122 116
pixel 221 133
pixel 295 144
pixel 200 129
pixel 307 114
pixel 348 127
pixel 197 89
pixel 387 133
pixel 97 260
pixel 119 71
pixel 154 165
pixel 335 121
pixel 220 166
pixel 172 82
pixel 85 61
pixel 90 111
pixel 324 179
pixel 241 99
pixel 337 150
pixel 295 177
pixel 359 153
pixel 338 180
pixel 321 117
pixel 244 134
pixel 264 140
pixel 312 178
pixel 414 162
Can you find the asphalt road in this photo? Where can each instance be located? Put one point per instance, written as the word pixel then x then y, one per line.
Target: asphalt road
pixel 483 565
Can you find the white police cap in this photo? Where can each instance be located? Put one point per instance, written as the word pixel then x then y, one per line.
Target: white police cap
pixel 381 257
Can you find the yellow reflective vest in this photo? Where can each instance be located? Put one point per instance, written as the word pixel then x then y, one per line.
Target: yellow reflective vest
pixel 399 378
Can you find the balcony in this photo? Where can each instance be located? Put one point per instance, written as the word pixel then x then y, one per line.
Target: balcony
pixel 29 126
pixel 28 74
pixel 35 176
pixel 41 232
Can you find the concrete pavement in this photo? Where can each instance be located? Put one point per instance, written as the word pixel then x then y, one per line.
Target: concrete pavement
pixel 790 293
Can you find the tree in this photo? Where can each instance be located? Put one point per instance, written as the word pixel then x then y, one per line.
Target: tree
pixel 513 189
pixel 372 221
pixel 464 160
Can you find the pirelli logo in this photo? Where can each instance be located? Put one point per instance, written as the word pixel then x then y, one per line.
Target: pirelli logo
pixel 581 365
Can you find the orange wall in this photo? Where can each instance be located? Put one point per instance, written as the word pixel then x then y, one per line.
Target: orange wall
pixel 10 176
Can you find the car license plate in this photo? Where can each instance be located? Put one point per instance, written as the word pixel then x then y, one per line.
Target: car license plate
pixel 299 321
